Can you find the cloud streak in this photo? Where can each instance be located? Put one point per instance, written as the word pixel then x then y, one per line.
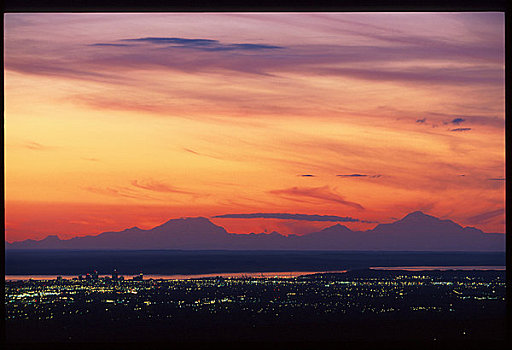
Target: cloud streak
pixel 323 193
pixel 452 75
pixel 286 216
pixel 457 121
pixel 124 192
pixel 266 59
pixel 110 44
pixel 35 146
pixel 156 186
pixel 460 129
pixel 197 44
pixel 486 216
pixel 481 120
pixel 360 175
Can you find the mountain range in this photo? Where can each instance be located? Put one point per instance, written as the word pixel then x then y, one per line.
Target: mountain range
pixel 414 232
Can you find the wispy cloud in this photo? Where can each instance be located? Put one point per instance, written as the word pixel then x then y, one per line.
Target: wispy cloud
pixel 267 59
pixel 352 175
pixel 109 44
pixel 36 146
pixel 497 179
pixel 461 129
pixel 457 121
pixel 483 120
pixel 203 154
pixel 197 44
pixel 156 186
pixel 191 151
pixel 167 40
pixel 307 175
pixel 124 192
pixel 486 216
pixel 286 216
pixel 71 69
pixel 360 175
pixel 452 75
pixel 323 193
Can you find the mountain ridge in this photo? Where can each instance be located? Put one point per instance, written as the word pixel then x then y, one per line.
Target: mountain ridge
pixel 415 231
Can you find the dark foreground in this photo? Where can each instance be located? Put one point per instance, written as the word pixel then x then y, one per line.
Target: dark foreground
pixel 357 308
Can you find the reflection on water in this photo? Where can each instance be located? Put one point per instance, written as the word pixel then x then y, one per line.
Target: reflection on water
pixel 285 274
pixel 441 268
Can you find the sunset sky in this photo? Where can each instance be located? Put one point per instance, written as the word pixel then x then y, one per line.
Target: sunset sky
pixel 121 120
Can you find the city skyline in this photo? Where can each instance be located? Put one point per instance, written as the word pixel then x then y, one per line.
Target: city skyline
pixel 259 121
pixel 316 307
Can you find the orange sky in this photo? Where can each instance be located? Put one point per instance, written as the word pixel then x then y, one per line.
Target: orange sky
pixel 121 120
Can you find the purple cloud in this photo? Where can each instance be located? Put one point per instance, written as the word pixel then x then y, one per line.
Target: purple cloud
pixel 486 216
pixel 95 60
pixel 360 175
pixel 457 121
pixel 483 120
pixel 461 129
pixel 452 75
pixel 198 44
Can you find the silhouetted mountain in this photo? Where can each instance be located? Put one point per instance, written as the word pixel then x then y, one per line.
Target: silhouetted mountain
pixel 421 230
pixel 414 232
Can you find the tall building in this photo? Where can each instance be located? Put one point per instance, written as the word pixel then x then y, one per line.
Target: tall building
pixel 140 277
pixel 115 275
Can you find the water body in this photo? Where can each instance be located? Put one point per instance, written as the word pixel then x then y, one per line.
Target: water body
pixel 176 262
pixel 440 268
pixel 279 274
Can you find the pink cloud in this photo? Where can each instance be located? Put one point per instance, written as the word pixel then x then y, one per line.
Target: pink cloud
pixel 324 193
pixel 156 186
